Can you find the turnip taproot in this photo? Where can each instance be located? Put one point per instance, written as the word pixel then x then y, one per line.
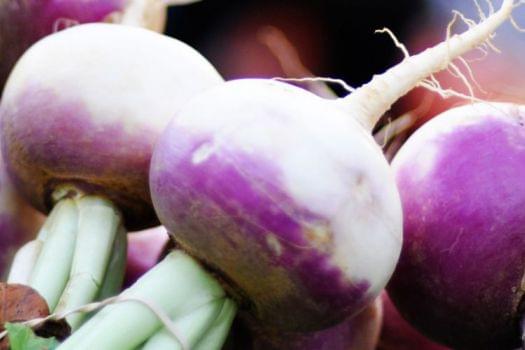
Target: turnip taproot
pixel 80 114
pixel 460 276
pixel 284 195
pixel 23 22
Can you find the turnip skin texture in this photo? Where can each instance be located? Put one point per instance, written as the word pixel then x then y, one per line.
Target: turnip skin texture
pixel 358 332
pixel 78 143
pixel 265 174
pixel 95 128
pixel 292 202
pixel 24 22
pixel 460 276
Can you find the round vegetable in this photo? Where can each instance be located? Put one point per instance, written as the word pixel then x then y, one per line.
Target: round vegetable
pixel 23 22
pixel 460 276
pixel 284 195
pixel 80 116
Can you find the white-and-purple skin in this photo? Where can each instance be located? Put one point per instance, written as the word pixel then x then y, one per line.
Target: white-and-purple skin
pixel 23 22
pixel 95 127
pixel 80 114
pixel 286 195
pixel 461 272
pixel 287 198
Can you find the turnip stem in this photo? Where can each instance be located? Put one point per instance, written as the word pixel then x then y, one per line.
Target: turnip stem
pixel 24 262
pixel 51 271
pixel 178 286
pixel 116 268
pixel 216 335
pixel 79 254
pixel 190 328
pixel 26 257
pixel 98 224
pixel 368 103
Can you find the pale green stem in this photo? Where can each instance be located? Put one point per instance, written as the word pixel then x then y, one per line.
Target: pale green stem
pixel 79 254
pixel 177 286
pixel 98 223
pixel 26 257
pixel 24 262
pixel 217 334
pixel 53 265
pixel 116 268
pixel 190 329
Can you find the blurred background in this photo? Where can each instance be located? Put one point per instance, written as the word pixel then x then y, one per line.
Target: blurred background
pixel 335 38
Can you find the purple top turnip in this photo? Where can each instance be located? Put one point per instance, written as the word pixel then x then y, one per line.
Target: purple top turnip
pixel 23 22
pixel 284 196
pixel 80 114
pixel 279 203
pixel 460 276
pixel 94 128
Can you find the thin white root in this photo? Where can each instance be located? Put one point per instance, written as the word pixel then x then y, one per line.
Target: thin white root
pixel 491 7
pixel 481 13
pixel 463 78
pixel 368 103
pixel 398 44
pixel 471 74
pixel 339 82
pixel 516 25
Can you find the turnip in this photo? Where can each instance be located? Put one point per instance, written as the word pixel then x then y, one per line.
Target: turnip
pixel 398 334
pixel 80 113
pixel 23 22
pixel 460 276
pixel 283 195
pixel 144 251
pixel 358 332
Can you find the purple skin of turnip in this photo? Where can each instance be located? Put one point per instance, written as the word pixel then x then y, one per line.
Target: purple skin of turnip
pixel 358 332
pixel 79 141
pixel 284 195
pixel 144 251
pixel 23 22
pixel 460 275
